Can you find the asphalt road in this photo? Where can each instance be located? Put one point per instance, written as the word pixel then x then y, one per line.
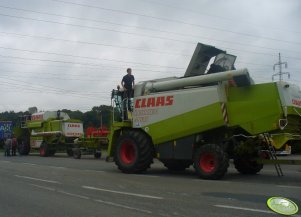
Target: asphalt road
pixel 33 186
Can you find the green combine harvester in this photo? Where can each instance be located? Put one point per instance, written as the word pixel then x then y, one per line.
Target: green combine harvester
pixel 211 115
pixel 48 132
pixel 52 131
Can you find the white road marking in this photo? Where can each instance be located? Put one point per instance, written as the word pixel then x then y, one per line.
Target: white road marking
pixel 5 161
pixel 288 186
pixel 285 171
pixel 61 192
pixel 142 175
pixel 121 192
pixel 95 171
pixel 212 181
pixel 244 208
pixel 36 179
pixel 30 164
pixel 43 187
pixel 123 206
pixel 55 167
pixel 73 195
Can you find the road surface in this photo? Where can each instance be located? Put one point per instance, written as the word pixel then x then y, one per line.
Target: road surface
pixel 32 186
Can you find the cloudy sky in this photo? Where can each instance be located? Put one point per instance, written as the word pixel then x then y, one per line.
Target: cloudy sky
pixel 57 54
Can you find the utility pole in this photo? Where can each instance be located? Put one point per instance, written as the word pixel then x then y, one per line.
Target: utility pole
pixel 99 114
pixel 280 73
pixel 100 119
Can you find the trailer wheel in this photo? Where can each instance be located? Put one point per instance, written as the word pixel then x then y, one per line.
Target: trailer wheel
pixel 44 150
pixel 211 162
pixel 176 165
pixel 23 148
pixel 97 154
pixel 77 153
pixel 52 152
pixel 69 152
pixel 134 152
pixel 247 166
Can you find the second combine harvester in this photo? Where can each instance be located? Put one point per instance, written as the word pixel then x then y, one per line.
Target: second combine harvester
pixel 212 114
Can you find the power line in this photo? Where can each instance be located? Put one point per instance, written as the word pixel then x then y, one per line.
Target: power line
pixel 125 33
pixel 55 61
pixel 114 60
pixel 48 88
pixel 104 67
pixel 219 17
pixel 139 27
pixel 96 28
pixel 49 91
pixel 59 54
pixel 174 21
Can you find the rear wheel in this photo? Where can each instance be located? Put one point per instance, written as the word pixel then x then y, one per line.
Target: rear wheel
pixel 77 153
pixel 134 152
pixel 211 162
pixel 247 166
pixel 97 154
pixel 52 152
pixel 176 165
pixel 23 148
pixel 44 150
pixel 69 152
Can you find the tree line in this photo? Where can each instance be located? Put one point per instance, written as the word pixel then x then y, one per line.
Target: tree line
pixel 97 116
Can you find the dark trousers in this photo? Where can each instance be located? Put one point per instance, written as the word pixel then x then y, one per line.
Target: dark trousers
pixel 7 152
pixel 128 94
pixel 13 151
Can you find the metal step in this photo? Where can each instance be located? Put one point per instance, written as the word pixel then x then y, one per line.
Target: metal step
pixel 272 154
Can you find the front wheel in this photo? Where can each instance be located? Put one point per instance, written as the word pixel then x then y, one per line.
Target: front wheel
pixel 134 152
pixel 211 162
pixel 44 150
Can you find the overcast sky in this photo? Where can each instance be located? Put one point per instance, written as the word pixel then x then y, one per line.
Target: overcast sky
pixel 57 54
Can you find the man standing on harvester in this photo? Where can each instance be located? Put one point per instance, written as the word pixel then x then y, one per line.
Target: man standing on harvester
pixel 128 83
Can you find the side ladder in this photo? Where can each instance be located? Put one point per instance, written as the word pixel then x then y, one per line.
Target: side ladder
pixel 272 153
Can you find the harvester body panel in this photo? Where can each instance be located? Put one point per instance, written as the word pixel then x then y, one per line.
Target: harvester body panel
pixel 175 114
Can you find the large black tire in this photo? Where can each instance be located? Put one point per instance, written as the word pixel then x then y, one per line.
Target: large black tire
pixel 211 162
pixel 97 154
pixel 69 152
pixel 176 165
pixel 44 150
pixel 134 152
pixel 23 148
pixel 52 152
pixel 77 154
pixel 247 166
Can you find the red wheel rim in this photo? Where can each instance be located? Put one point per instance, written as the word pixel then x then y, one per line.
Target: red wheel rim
pixel 42 151
pixel 127 152
pixel 207 162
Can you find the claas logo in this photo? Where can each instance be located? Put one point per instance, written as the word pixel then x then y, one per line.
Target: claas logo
pixel 36 117
pixel 74 125
pixel 154 102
